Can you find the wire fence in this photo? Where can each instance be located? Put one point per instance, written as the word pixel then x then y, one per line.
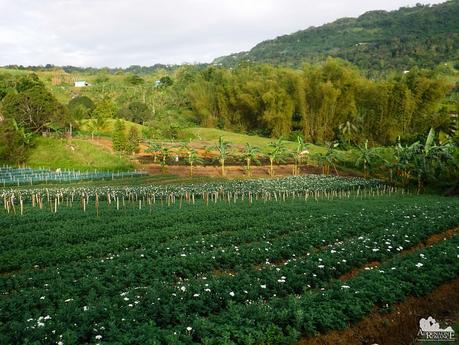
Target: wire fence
pixel 11 176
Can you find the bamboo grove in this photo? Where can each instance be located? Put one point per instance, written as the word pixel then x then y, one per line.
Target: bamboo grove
pixel 323 102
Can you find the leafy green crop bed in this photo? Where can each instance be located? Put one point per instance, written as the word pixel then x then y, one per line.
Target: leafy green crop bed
pixel 227 273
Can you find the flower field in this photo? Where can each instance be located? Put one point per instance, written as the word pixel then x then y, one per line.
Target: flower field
pixel 268 271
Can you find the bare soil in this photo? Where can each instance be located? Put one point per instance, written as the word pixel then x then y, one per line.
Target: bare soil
pixel 232 171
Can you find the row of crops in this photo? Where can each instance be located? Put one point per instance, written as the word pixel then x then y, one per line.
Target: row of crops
pixel 28 176
pixel 227 274
pixel 306 187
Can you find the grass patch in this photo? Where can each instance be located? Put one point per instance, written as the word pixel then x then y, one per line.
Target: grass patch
pixel 212 135
pixel 108 127
pixel 78 154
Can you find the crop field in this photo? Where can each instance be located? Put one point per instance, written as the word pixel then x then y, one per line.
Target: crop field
pixel 265 271
pixel 307 187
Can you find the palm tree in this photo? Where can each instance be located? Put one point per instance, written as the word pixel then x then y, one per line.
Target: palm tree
pixel 250 155
pixel 298 155
pixel 276 154
pixel 92 128
pixel 222 147
pixel 153 148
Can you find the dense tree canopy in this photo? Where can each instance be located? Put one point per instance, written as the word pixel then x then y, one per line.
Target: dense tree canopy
pixel 35 109
pixel 81 107
pixel 137 112
pixel 377 41
pixel 321 101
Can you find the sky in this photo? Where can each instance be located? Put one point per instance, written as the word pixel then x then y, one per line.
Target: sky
pixel 117 33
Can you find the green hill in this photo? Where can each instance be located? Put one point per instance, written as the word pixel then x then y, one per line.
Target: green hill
pixel 421 36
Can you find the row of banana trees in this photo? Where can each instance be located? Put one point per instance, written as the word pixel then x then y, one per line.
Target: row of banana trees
pixel 251 154
pixel 418 163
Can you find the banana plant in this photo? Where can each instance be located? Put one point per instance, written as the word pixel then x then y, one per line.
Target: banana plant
pixel 222 148
pixel 276 154
pixel 367 158
pixel 191 156
pixel 423 161
pixel 250 154
pixel 27 137
pixel 328 159
pixel 298 155
pixel 164 153
pixel 153 148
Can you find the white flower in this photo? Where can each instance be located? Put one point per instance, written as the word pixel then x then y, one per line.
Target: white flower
pixel 126 299
pixel 231 294
pixel 98 337
pixel 321 266
pixel 85 308
pixel 207 290
pixel 183 288
pixel 68 300
pixel 345 287
pixel 60 343
pixel 42 297
pixel 419 265
pixel 196 295
pixel 189 328
pixel 263 286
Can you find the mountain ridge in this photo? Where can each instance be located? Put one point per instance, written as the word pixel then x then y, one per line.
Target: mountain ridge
pixel 424 36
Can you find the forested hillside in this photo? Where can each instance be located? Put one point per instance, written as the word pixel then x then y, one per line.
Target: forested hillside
pixel 401 79
pixel 422 36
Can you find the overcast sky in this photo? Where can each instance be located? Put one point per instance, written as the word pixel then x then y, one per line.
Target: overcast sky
pixel 119 33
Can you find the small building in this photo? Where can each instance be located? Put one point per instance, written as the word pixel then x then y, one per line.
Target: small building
pixel 81 83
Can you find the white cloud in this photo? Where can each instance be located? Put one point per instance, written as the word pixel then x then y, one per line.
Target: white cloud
pixel 143 32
